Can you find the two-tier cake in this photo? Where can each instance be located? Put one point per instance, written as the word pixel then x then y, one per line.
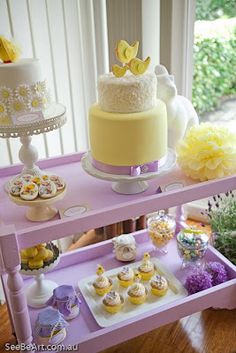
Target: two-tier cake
pixel 128 125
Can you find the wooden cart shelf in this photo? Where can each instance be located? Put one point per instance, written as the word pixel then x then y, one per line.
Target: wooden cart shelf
pixel 105 207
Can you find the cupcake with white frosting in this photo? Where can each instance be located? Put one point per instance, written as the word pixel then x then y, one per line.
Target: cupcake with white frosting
pixel 102 284
pixel 113 302
pixel 146 269
pixel 137 293
pixel 159 285
pixel 126 276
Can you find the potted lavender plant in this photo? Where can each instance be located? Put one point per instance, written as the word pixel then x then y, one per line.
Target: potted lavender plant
pixel 222 218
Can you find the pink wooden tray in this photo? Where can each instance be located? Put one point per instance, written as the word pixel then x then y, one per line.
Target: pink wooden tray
pixel 105 207
pixel 82 263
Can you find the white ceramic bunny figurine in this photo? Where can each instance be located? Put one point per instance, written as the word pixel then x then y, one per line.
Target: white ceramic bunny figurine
pixel 181 114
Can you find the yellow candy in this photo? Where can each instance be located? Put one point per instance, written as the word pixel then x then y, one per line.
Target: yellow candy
pixel 42 245
pixel 49 255
pixel 35 264
pixel 31 252
pixel 42 254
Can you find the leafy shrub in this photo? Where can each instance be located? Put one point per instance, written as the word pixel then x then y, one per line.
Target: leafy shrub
pixel 214 71
pixel 213 9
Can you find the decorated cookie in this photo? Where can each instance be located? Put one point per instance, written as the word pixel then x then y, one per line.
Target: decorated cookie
pixel 15 190
pixel 59 182
pixel 29 191
pixel 36 179
pixel 18 181
pixel 45 177
pixel 47 189
pixel 27 178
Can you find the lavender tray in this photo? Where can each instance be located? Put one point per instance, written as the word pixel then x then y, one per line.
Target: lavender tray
pixel 82 263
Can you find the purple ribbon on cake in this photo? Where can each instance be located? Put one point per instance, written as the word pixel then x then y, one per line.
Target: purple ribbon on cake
pixel 129 170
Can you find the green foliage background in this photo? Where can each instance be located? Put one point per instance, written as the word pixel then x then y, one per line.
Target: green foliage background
pixel 213 9
pixel 214 58
pixel 214 71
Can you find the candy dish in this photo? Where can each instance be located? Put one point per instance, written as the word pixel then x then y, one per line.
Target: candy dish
pixel 104 319
pixel 161 229
pixel 192 245
pixel 41 289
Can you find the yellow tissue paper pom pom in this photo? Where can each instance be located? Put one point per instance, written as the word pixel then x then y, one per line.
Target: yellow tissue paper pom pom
pixel 207 152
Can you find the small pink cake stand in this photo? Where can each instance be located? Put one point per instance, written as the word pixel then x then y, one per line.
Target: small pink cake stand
pixel 126 184
pixel 41 289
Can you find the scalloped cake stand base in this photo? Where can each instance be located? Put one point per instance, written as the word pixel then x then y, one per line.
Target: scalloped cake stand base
pixel 126 184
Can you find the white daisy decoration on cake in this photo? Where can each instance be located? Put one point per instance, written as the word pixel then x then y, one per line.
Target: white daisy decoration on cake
pixel 3 109
pixel 22 91
pixel 5 93
pixel 17 105
pixel 46 99
pixel 40 87
pixel 35 102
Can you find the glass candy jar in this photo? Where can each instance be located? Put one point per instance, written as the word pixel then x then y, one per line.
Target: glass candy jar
pixel 192 245
pixel 161 229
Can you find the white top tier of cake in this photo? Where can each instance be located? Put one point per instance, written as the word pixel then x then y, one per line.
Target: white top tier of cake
pixel 127 94
pixel 23 72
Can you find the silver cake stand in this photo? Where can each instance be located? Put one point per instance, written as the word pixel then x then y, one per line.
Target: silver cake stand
pixel 125 184
pixel 54 118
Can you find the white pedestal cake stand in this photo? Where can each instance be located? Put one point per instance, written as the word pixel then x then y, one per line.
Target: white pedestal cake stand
pixel 54 118
pixel 41 289
pixel 125 184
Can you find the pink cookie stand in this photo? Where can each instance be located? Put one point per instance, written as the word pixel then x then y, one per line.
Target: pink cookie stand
pixel 105 207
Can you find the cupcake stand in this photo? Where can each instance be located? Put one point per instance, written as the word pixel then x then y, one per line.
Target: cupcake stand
pixel 105 207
